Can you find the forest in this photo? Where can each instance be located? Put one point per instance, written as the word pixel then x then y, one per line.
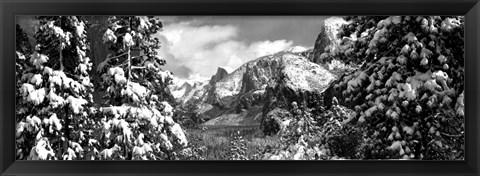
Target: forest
pixel 372 87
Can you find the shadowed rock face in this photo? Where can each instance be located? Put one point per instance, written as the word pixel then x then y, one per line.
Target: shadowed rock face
pixel 327 40
pixel 221 73
pixel 328 43
pixel 272 121
pixel 320 44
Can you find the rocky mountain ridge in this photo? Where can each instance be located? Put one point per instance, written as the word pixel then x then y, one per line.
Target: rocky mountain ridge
pixel 240 98
pixel 246 95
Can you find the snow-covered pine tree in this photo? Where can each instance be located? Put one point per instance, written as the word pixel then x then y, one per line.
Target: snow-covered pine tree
pixel 138 122
pixel 237 147
pixel 408 93
pixel 23 51
pixel 53 118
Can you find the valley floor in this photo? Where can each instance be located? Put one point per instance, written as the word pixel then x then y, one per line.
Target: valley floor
pixel 217 140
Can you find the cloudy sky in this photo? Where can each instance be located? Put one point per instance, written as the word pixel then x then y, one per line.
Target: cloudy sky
pixel 196 46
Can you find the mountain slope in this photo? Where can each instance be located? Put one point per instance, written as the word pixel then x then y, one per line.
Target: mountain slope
pixel 239 98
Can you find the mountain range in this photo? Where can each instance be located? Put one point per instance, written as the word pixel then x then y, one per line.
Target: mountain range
pixel 246 95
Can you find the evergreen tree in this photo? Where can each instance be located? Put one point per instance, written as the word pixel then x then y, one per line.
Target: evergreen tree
pixel 23 52
pixel 138 123
pixel 53 118
pixel 408 93
pixel 237 147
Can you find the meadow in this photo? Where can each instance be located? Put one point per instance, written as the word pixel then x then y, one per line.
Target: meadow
pixel 217 140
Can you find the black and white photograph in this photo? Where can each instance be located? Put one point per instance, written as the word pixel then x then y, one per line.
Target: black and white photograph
pixel 240 88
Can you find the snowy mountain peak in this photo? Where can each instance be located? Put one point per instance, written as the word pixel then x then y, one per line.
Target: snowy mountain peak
pixel 297 49
pixel 183 86
pixel 196 78
pixel 327 40
pixel 192 79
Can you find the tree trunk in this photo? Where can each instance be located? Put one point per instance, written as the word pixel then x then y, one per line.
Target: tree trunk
pixel 97 52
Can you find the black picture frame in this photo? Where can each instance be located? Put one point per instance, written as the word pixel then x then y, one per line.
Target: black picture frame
pixel 9 9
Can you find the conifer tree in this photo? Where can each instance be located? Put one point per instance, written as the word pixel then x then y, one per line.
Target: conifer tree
pixel 408 93
pixel 55 92
pixel 237 147
pixel 137 121
pixel 23 51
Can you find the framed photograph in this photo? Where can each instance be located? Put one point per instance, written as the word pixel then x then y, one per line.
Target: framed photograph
pixel 239 87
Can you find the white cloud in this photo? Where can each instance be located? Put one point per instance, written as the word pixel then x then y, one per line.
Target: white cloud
pixel 203 48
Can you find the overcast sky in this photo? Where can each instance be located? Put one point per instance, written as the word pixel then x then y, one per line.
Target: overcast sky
pixel 198 45
pixel 194 45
